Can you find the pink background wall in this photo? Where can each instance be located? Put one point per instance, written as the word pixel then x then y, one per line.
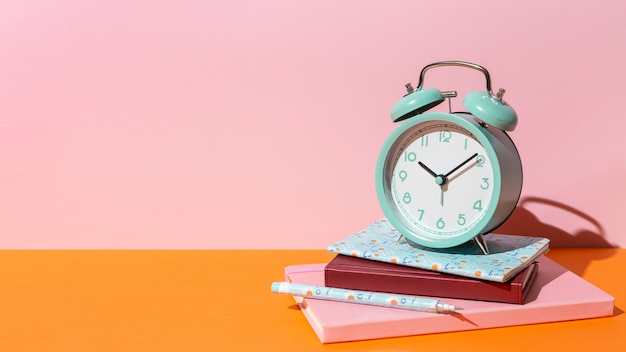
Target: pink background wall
pixel 257 124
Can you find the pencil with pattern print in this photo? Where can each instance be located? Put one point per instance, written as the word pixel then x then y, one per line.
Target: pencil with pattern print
pixel 363 297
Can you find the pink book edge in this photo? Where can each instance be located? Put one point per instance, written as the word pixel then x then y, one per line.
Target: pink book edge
pixel 556 295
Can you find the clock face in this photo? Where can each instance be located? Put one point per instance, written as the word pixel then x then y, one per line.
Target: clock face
pixel 440 180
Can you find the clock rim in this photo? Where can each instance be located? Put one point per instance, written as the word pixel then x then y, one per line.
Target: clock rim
pixel 383 183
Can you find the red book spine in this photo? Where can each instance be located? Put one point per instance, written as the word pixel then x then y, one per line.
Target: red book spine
pixel 369 275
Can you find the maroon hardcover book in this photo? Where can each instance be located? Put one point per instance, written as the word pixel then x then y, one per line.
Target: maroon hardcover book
pixel 369 275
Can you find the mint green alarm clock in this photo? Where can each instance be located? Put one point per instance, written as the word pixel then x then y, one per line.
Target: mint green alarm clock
pixel 445 178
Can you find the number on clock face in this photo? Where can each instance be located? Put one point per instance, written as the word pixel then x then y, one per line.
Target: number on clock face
pixel 442 181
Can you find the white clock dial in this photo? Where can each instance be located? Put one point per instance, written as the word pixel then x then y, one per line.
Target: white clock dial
pixel 442 181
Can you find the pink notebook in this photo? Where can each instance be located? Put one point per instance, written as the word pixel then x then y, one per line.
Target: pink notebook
pixel 556 295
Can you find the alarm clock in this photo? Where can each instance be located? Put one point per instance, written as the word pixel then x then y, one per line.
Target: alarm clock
pixel 444 178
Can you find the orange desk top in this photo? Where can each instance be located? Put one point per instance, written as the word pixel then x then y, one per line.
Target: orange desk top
pixel 221 301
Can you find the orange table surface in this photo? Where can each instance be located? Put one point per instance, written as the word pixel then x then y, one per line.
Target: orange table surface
pixel 220 300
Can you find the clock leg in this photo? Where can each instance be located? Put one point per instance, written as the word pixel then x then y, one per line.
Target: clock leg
pixel 402 239
pixel 480 241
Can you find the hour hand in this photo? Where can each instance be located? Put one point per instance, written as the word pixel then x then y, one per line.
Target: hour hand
pixel 439 179
pixel 427 169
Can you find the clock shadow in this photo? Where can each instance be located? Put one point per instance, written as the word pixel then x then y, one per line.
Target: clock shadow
pixel 523 222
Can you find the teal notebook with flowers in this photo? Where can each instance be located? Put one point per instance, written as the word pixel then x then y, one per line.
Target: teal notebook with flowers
pixel 508 254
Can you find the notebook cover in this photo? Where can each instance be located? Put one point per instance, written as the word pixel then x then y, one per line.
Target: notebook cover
pixel 368 275
pixel 556 295
pixel 508 254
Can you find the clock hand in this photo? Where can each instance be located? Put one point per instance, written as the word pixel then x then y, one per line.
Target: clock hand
pixel 439 179
pixel 441 197
pixel 427 169
pixel 461 165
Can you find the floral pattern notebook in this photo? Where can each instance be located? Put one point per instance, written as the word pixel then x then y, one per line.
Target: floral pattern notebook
pixel 508 254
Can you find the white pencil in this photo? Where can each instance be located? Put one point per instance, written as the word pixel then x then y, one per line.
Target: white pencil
pixel 363 297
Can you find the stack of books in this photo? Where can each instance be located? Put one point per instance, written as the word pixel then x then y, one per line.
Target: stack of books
pixel 513 285
pixel 367 275
pixel 378 258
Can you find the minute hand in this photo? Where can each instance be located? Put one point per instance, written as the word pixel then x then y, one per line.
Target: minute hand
pixel 461 164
